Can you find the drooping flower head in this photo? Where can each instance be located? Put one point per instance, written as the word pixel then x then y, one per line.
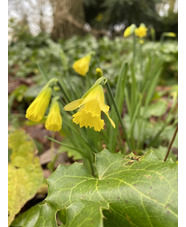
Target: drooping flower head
pixel 129 30
pixel 141 31
pixel 90 107
pixel 81 66
pixel 54 118
pixel 38 107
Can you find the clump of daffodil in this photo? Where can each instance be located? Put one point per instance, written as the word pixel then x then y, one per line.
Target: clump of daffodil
pixel 141 31
pixel 81 66
pixel 99 72
pixel 38 107
pixel 90 107
pixel 54 119
pixel 129 30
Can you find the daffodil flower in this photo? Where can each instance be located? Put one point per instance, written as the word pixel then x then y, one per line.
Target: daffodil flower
pixel 169 34
pixel 90 107
pixel 54 118
pixel 81 66
pixel 129 30
pixel 37 109
pixel 141 31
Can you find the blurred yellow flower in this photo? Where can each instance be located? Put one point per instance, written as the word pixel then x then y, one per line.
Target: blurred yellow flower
pixel 129 30
pixel 169 34
pixel 99 72
pixel 54 118
pixel 81 66
pixel 99 17
pixel 90 107
pixel 141 31
pixel 37 109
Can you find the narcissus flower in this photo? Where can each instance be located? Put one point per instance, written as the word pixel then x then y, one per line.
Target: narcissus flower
pixel 90 107
pixel 129 30
pixel 37 109
pixel 169 34
pixel 141 31
pixel 81 66
pixel 54 119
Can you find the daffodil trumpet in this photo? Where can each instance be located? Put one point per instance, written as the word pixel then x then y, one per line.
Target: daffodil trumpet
pixel 141 31
pixel 38 107
pixel 54 118
pixel 81 66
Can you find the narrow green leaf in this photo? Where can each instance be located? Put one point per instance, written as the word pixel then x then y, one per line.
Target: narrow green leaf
pixel 119 99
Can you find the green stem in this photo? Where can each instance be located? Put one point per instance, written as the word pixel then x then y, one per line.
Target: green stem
pixel 119 117
pixel 134 48
pixel 170 145
pixel 52 145
pixel 42 71
pixel 67 146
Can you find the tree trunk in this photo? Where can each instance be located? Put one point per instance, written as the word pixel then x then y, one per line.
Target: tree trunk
pixel 62 10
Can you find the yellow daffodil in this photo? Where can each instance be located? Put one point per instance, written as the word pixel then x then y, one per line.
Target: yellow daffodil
pixel 54 119
pixel 141 31
pixel 81 66
pixel 129 30
pixel 37 109
pixel 99 72
pixel 90 107
pixel 169 34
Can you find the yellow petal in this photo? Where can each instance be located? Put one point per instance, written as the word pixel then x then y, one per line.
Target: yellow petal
pixel 86 119
pixel 37 109
pixel 111 121
pixel 73 105
pixel 105 109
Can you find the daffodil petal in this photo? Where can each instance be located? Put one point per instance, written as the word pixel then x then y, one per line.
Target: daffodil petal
pixel 54 118
pixel 105 109
pixel 111 121
pixel 86 119
pixel 73 105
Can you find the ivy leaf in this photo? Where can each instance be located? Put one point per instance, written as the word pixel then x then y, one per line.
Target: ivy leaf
pixel 37 216
pixel 25 175
pixel 129 191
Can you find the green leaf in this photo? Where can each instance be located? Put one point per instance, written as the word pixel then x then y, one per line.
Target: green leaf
pixel 83 213
pixel 25 175
pixel 132 190
pixel 38 216
pixel 161 152
pixel 119 99
pixel 156 109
